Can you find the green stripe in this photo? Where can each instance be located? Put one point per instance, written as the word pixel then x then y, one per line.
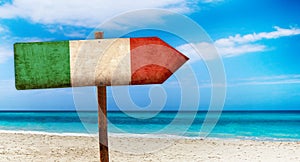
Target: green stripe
pixel 42 65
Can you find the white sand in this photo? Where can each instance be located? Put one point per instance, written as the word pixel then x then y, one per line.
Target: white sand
pixel 42 147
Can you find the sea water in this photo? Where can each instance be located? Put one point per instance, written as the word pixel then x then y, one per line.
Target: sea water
pixel 264 125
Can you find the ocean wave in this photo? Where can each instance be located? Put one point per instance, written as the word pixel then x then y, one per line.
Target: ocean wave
pixel 47 133
pixel 164 136
pixel 219 137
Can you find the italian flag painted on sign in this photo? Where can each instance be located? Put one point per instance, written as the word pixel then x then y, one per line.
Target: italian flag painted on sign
pixel 121 61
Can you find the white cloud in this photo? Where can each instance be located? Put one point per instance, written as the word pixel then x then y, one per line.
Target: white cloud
pixel 5 53
pixel 195 52
pixel 238 39
pixel 267 80
pixel 211 1
pixel 129 20
pixel 81 13
pixel 2 29
pixel 75 34
pixel 253 81
pixel 234 45
pixel 235 50
pixel 6 50
pixel 7 41
pixel 237 45
pixel 8 86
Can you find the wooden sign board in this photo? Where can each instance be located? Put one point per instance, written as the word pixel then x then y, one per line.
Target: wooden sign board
pixel 99 62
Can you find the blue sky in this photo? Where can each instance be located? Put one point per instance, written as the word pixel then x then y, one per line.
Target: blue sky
pixel 258 42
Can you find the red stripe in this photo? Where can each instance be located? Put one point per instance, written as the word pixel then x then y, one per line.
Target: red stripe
pixel 150 74
pixel 153 61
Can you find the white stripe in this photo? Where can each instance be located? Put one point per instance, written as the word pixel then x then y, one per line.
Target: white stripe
pixel 100 62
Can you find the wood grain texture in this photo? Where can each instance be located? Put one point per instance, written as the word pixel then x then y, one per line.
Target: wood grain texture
pixel 102 117
pixel 155 53
pixel 114 67
pixel 42 65
pixel 102 123
pixel 100 62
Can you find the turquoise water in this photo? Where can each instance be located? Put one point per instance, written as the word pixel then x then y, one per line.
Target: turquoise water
pixel 283 125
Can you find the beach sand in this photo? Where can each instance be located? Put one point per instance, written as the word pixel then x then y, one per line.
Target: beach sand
pixel 47 147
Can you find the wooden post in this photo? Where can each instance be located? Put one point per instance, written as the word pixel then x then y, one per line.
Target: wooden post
pixel 102 116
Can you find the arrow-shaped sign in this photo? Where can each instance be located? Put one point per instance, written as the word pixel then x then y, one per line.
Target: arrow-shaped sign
pixel 121 61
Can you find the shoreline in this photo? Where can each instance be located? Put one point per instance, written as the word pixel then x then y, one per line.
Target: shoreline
pixel 167 136
pixel 19 146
